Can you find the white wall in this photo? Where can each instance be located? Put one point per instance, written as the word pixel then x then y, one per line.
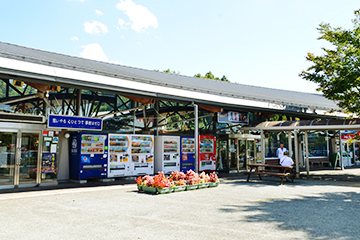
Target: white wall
pixel 63 165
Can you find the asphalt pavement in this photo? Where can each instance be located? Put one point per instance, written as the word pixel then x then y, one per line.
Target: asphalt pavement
pixel 306 209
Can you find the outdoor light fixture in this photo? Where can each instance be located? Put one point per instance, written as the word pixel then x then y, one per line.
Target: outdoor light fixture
pixel 67 135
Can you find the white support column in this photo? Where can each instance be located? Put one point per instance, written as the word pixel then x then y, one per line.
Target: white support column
pixel 290 144
pixel 307 154
pixel 237 155
pixel 196 136
pixel 341 152
pixel 296 159
pixel 262 147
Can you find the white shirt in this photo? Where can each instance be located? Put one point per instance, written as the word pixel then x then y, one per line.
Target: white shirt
pixel 286 161
pixel 280 153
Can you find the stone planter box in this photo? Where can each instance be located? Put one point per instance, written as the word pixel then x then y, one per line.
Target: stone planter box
pixel 203 185
pixel 192 187
pixel 164 190
pixel 213 184
pixel 179 188
pixel 149 189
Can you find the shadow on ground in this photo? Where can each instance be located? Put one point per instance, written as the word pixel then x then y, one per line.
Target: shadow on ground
pixel 325 216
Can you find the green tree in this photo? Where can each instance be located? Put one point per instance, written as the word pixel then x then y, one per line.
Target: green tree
pixel 210 75
pixel 337 70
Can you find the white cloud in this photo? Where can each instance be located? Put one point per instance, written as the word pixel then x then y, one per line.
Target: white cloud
pixel 157 37
pixel 94 51
pixel 122 23
pixel 74 38
pixel 140 17
pixel 98 12
pixel 122 36
pixel 78 0
pixel 95 28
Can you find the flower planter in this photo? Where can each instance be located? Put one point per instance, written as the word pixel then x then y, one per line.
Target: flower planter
pixel 213 184
pixel 203 185
pixel 179 188
pixel 149 189
pixel 140 188
pixel 191 187
pixel 164 190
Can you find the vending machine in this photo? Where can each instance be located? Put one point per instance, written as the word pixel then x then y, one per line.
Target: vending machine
pixel 88 155
pixel 142 155
pixel 119 155
pixel 187 158
pixel 207 153
pixel 167 154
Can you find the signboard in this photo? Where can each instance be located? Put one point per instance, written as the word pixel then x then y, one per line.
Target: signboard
pixel 233 117
pixel 48 163
pixel 72 122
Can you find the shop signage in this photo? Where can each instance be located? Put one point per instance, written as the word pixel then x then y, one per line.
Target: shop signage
pixel 233 117
pixel 71 122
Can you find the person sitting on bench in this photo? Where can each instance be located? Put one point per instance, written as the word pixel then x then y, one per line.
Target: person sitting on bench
pixel 286 161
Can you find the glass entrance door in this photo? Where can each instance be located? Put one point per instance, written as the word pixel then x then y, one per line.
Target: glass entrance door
pixel 7 157
pixel 19 154
pixel 29 152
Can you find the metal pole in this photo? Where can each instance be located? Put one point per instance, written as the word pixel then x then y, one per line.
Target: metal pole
pixel 296 138
pixel 290 144
pixel 237 155
pixel 78 102
pixel 307 153
pixel 156 117
pixel 262 147
pixel 341 153
pixel 196 136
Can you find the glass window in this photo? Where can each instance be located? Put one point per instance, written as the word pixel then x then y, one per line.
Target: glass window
pixel 272 143
pixel 49 163
pixel 317 145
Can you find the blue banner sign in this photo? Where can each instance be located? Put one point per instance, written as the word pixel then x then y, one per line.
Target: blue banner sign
pixel 233 117
pixel 72 122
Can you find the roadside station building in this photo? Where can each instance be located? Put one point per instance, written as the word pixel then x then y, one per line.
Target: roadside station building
pixel 38 85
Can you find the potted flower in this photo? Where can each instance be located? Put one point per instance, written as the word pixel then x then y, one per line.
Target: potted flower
pixel 179 185
pixel 162 183
pixel 139 183
pixel 214 180
pixel 148 184
pixel 192 180
pixel 204 180
pixel 32 173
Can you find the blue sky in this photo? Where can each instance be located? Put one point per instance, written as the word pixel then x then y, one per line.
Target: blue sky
pixel 260 43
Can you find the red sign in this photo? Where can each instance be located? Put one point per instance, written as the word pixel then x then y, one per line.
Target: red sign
pixel 347 136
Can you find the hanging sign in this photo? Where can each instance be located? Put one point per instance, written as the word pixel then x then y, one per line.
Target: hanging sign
pixel 233 117
pixel 72 122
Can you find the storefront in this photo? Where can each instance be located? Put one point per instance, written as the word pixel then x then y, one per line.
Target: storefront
pixel 28 155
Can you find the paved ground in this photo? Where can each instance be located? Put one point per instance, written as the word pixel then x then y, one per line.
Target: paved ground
pixel 308 209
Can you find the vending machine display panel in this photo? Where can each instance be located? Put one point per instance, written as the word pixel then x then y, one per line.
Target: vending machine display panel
pixel 88 155
pixel 187 159
pixel 167 154
pixel 119 155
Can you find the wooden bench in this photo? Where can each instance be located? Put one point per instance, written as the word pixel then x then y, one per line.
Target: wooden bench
pixel 319 160
pixel 286 171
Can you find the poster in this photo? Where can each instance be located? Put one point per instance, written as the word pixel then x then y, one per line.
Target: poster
pixel 53 148
pixel 48 163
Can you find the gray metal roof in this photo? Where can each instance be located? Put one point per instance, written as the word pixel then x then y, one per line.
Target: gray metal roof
pixel 255 93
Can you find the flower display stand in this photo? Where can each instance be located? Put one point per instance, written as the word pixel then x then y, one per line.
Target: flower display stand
pixel 191 187
pixel 179 188
pixel 203 185
pixel 213 184
pixel 149 189
pixel 164 190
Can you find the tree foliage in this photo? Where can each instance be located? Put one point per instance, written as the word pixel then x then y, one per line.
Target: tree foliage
pixel 337 71
pixel 210 75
